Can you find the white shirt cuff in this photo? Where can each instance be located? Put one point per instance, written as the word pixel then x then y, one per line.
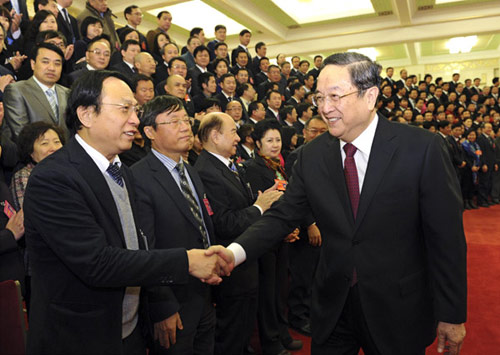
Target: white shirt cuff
pixel 239 253
pixel 260 209
pixel 16 34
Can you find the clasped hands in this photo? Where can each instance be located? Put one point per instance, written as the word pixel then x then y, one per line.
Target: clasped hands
pixel 211 264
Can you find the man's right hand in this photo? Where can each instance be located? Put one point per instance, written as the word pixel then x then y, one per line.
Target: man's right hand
pixel 225 255
pixel 207 266
pixel 5 80
pixel 267 198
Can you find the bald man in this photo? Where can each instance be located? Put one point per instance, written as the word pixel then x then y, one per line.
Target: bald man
pixel 145 64
pixel 176 86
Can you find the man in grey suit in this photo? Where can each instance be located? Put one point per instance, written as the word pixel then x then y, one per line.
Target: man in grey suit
pixel 39 98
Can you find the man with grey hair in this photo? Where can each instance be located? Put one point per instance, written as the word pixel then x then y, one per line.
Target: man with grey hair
pixel 392 263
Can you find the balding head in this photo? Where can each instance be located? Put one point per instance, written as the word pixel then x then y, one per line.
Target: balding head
pixel 218 134
pixel 176 86
pixel 145 63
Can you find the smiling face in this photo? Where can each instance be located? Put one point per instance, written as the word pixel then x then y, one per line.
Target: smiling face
pixel 111 130
pixel 45 145
pixel 350 116
pixel 270 144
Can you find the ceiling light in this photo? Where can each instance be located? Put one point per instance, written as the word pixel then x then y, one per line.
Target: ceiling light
pixel 306 11
pixel 461 44
pixel 370 52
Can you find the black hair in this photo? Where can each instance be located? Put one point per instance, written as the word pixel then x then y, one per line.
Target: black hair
pixel 87 21
pixel 129 42
pixel 199 49
pixel 48 46
pixel 28 136
pixel 85 92
pixel 263 126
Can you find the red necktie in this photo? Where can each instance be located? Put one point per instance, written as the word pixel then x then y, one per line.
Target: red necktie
pixel 351 177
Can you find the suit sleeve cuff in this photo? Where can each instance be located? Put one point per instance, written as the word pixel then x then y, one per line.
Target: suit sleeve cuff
pixel 239 253
pixel 260 209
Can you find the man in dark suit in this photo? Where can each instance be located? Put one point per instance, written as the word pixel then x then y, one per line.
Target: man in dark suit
pixel 228 85
pixel 133 15
pixel 273 99
pixel 261 50
pixel 169 190
pixel 169 51
pixel 390 219
pixel 66 23
pixel 298 92
pixel 164 23
pixel 88 267
pixel 245 36
pixel 220 36
pixel 130 48
pixel 318 60
pixel 201 59
pixel 487 144
pixel 97 57
pixel 234 210
pixel 30 101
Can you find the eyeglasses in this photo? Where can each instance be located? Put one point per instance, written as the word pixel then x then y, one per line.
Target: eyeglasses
pixel 98 52
pixel 127 108
pixel 176 123
pixel 319 100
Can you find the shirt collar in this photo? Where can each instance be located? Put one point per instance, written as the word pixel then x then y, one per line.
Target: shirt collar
pixel 90 67
pixel 224 160
pixel 99 159
pixel 169 163
pixel 43 86
pixel 202 70
pixel 364 141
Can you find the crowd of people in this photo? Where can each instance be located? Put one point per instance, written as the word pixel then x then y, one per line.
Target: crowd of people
pixel 58 73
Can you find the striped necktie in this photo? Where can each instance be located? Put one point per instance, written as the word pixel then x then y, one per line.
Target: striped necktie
pixel 193 205
pixel 51 96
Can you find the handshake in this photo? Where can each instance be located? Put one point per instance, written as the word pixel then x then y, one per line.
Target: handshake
pixel 210 264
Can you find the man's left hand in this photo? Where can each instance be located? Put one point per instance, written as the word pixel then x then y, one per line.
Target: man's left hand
pixel 453 334
pixel 166 330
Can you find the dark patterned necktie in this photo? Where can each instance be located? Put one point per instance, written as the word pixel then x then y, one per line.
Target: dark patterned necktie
pixel 351 177
pixel 114 171
pixel 193 205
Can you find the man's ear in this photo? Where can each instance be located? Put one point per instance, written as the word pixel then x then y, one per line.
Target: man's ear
pixel 85 115
pixel 371 96
pixel 149 132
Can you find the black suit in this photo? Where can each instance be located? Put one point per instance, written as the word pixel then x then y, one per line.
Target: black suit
pixel 161 73
pixel 80 266
pixel 165 216
pixel 270 114
pixel 236 297
pixel 71 32
pixel 236 50
pixel 398 244
pixel 223 100
pixel 273 274
pixel 124 68
pixel 76 74
pixel 487 145
pixel 194 73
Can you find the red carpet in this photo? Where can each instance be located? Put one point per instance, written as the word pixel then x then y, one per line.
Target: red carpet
pixel 482 230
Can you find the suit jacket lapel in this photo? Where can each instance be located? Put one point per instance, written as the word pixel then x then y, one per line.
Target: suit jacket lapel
pixel 167 182
pixel 96 182
pixel 39 95
pixel 333 161
pixel 383 148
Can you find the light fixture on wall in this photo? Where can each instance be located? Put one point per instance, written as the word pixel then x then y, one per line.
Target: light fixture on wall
pixel 461 44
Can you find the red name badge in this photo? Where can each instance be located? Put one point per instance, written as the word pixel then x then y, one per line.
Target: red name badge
pixel 281 184
pixel 8 209
pixel 208 207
